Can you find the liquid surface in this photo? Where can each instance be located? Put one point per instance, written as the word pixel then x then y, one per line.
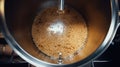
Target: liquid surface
pixel 55 33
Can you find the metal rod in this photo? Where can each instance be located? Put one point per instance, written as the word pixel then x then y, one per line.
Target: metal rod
pixel 60 59
pixel 61 5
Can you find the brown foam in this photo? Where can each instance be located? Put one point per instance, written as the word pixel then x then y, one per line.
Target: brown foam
pixel 55 33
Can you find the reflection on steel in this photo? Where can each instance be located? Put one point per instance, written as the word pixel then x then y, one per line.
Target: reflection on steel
pixel 61 4
pixel 56 28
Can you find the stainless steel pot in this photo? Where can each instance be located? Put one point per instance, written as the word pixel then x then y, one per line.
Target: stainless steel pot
pixel 16 18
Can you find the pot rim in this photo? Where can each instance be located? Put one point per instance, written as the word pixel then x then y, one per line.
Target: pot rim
pixel 23 54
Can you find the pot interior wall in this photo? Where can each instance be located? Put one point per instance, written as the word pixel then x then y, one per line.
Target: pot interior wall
pixel 20 16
